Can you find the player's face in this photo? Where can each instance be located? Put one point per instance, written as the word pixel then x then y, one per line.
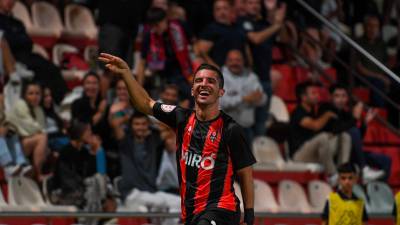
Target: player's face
pixel 205 89
pixel 340 98
pixel 253 7
pixel 140 127
pixel 346 181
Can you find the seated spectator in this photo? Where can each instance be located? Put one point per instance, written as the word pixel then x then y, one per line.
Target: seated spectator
pixel 308 142
pixel 373 43
pixel 29 119
pixel 169 94
pixel 174 11
pixel 12 158
pixel 121 110
pixel 55 126
pixel 165 51
pixel 346 121
pixel 141 151
pixel 243 92
pixel 221 36
pixel 167 179
pixel 81 159
pixel 344 205
pixel 21 47
pixel 92 108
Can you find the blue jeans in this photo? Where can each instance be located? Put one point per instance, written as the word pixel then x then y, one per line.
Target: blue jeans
pixel 11 151
pixel 261 112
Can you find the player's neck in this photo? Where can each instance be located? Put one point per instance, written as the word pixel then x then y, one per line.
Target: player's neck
pixel 206 113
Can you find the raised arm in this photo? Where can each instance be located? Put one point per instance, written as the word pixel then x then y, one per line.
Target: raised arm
pixel 138 95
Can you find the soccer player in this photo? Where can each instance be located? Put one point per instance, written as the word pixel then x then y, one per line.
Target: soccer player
pixel 212 149
pixel 343 206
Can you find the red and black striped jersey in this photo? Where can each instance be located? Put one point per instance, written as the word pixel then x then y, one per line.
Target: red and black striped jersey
pixel 208 154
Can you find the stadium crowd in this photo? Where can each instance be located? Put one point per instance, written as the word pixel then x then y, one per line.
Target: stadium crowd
pixel 135 154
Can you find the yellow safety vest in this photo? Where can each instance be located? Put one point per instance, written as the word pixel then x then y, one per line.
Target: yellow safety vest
pixel 345 212
pixel 397 202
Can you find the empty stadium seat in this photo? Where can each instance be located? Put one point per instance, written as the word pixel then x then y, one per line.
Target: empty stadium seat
pixel 20 12
pixel 292 197
pixel 360 193
pixel 58 52
pixel 318 191
pixel 79 22
pixel 25 192
pixel 278 109
pixel 264 200
pixel 269 157
pixel 46 17
pixel 380 197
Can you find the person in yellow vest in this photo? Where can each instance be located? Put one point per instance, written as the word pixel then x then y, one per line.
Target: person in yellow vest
pixel 396 208
pixel 344 207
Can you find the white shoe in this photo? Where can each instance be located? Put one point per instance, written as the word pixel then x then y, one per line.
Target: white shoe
pixel 11 171
pixel 333 179
pixel 370 174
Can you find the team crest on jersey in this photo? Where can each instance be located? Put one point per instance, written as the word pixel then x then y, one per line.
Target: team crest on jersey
pixel 213 136
pixel 167 108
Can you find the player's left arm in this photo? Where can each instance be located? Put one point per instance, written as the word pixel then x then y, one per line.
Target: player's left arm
pixel 245 176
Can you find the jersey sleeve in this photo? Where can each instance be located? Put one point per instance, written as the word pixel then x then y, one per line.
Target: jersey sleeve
pixel 239 149
pixel 171 115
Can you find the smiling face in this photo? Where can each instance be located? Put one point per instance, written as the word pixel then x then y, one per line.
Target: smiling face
pixel 122 91
pixel 206 88
pixel 91 86
pixel 33 95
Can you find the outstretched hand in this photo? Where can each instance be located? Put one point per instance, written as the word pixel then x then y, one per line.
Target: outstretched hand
pixel 114 64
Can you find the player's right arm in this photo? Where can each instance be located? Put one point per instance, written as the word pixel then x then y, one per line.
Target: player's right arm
pixel 138 95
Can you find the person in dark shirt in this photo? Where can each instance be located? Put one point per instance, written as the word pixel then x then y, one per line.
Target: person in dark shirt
pixel 221 36
pixel 343 206
pixel 83 157
pixel 260 35
pixel 165 51
pixel 212 149
pixel 140 154
pixel 346 121
pixel 308 142
pixel 21 47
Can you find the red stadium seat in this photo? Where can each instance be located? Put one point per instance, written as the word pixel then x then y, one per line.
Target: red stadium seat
pixel 287 85
pixel 362 93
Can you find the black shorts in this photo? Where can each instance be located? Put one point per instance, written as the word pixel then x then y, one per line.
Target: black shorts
pixel 215 217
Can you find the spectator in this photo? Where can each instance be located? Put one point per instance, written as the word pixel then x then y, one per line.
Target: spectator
pixel 121 110
pixel 170 95
pixel 12 158
pixel 29 119
pixel 21 47
pixel 243 93
pixel 55 126
pixel 221 36
pixel 308 142
pixel 346 121
pixel 140 151
pixel 167 179
pixel 91 107
pixel 82 158
pixel 373 43
pixel 260 34
pixel 118 31
pixel 165 51
pixel 344 205
pixel 174 11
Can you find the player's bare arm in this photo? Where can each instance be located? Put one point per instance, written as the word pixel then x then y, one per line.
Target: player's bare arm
pixel 247 188
pixel 139 97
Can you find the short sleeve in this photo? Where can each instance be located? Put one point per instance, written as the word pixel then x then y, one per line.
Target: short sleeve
pixel 325 212
pixel 239 148
pixel 171 115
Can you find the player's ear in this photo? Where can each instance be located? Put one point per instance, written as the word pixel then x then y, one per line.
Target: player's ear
pixel 221 92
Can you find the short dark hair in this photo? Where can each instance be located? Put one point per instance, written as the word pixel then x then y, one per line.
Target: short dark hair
pixel 136 115
pixel 337 86
pixel 89 74
pixel 301 89
pixel 155 15
pixel 171 86
pixel 76 129
pixel 347 168
pixel 206 66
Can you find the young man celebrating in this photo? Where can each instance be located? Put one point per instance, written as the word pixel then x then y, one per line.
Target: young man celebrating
pixel 211 148
pixel 343 207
